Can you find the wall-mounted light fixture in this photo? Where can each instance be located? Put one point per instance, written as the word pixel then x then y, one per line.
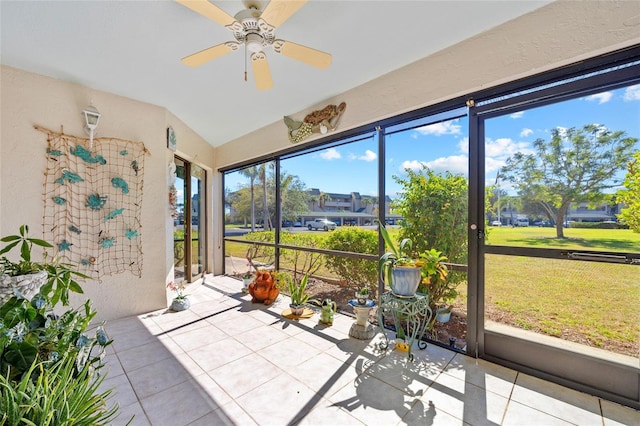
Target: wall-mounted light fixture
pixel 91 118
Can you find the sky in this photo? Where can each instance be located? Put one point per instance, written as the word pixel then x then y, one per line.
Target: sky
pixel 444 146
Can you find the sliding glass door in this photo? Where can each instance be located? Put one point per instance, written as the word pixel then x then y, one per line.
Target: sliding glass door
pixel 189 226
pixel 559 264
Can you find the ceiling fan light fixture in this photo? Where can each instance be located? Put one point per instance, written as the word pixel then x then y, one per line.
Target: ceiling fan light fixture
pixel 254 42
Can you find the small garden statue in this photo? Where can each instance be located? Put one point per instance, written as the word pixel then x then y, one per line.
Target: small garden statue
pixel 329 308
pixel 263 288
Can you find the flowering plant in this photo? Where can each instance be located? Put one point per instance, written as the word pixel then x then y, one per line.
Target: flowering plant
pixel 179 289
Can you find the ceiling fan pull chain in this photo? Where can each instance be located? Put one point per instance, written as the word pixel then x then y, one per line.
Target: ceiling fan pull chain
pixel 245 60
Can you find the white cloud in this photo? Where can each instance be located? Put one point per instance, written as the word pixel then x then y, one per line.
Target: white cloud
pixel 505 147
pixel 518 114
pixel 491 165
pixel 439 129
pixel 368 156
pixel 463 145
pixel 414 165
pixel 330 154
pixel 525 132
pixel 562 131
pixel 632 93
pixel 600 97
pixel 456 164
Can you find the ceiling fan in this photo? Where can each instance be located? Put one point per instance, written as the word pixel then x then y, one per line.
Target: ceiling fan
pixel 255 29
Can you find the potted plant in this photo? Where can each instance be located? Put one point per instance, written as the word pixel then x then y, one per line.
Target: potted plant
pixel 180 302
pixel 30 329
pixel 435 282
pixel 401 340
pixel 362 295
pixel 298 295
pixel 397 268
pixel 25 278
pixel 443 314
pixel 247 277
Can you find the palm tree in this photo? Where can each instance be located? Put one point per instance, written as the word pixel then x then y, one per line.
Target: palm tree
pixel 252 174
pixel 266 221
pixel 323 197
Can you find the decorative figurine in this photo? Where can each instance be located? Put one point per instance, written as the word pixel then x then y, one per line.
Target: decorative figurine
pixel 329 308
pixel 263 288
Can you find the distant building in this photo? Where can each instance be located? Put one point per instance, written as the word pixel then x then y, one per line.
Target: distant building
pixel 344 209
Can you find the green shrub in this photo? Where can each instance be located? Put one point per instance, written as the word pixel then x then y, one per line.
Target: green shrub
pixel 434 208
pixel 30 332
pixel 56 395
pixel 356 272
pixel 595 225
pixel 299 261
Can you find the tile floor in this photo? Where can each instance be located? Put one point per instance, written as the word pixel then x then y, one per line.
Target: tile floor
pixel 227 361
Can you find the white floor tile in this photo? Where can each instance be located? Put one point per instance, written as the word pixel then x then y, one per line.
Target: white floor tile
pixel 245 374
pixel 227 361
pixel 522 415
pixel 372 401
pixel 283 400
pixel 567 404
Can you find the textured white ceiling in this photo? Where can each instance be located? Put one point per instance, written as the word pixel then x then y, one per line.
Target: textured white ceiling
pixel 133 49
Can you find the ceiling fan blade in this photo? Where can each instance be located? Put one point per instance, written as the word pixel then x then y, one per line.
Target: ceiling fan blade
pixel 208 10
pixel 313 57
pixel 278 11
pixel 261 71
pixel 206 55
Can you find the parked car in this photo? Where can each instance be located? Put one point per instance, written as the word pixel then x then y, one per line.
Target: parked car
pixel 496 223
pixel 321 224
pixel 297 224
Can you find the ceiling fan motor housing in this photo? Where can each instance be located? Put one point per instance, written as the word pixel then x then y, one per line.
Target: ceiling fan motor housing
pixel 250 29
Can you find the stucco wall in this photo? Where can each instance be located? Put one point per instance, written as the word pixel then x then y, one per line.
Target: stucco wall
pixel 28 99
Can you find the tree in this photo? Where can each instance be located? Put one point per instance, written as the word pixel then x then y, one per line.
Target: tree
pixel 631 195
pixel 266 221
pixel 293 197
pixel 575 166
pixel 252 174
pixel 434 208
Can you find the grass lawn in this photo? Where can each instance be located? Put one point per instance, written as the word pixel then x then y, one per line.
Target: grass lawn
pixel 576 238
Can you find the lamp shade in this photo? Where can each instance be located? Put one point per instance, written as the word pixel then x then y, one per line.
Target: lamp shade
pixel 91 117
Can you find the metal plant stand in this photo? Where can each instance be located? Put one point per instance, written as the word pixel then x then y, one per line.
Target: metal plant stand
pixel 415 311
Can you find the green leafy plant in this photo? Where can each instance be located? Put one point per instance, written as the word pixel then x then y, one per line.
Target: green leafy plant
pixel 30 331
pixel 400 255
pixel 61 277
pixel 25 265
pixel 435 279
pixel 57 395
pixel 435 210
pixel 364 291
pixel 179 289
pixel 352 270
pixel 297 291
